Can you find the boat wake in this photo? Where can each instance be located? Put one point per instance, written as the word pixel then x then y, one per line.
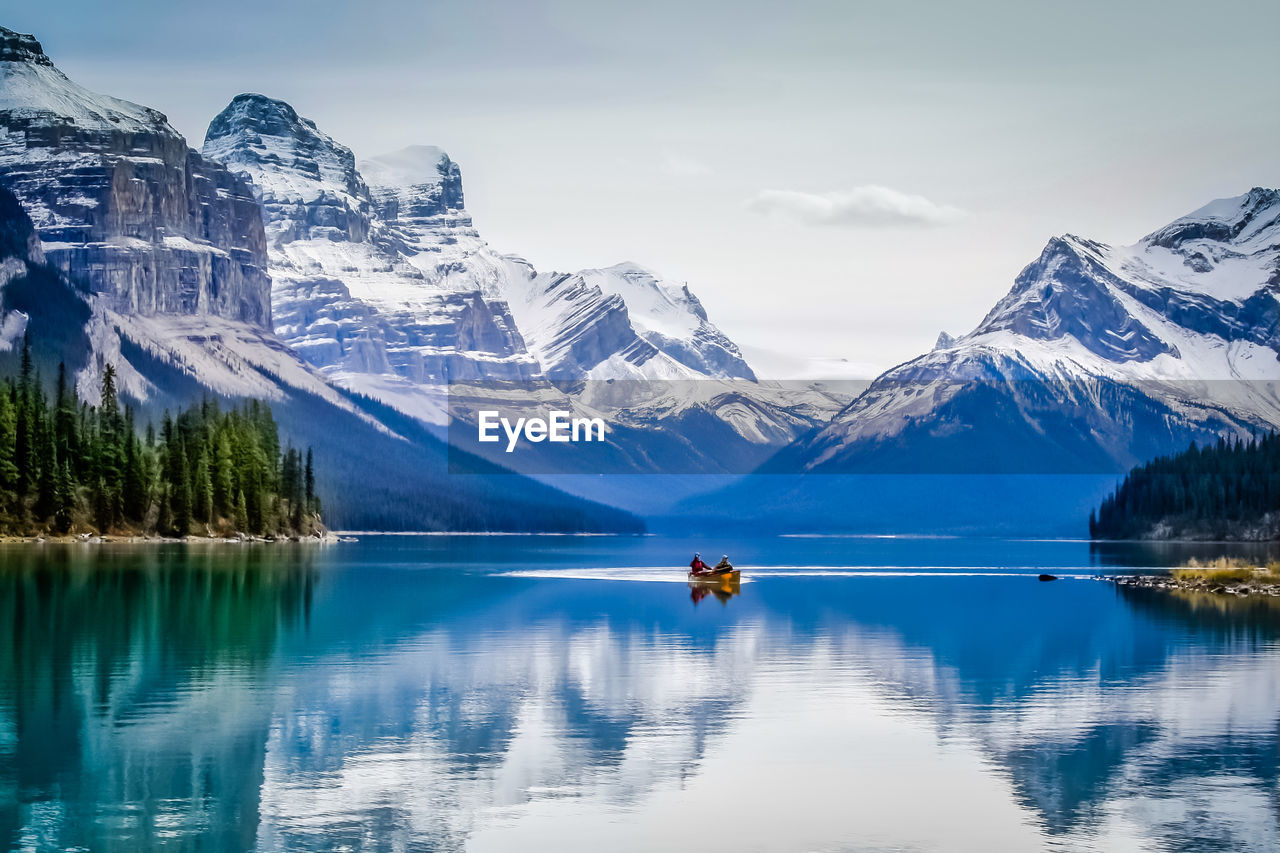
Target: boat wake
pixel 668 574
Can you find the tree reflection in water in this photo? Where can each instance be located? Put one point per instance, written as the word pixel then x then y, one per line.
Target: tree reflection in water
pixel 129 682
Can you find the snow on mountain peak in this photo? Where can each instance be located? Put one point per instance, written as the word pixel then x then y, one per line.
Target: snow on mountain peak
pixel 387 291
pixel 415 183
pixel 34 92
pixel 254 130
pixel 1248 223
pixel 306 181
pixel 411 166
pixel 579 322
pixel 1097 352
pixel 660 306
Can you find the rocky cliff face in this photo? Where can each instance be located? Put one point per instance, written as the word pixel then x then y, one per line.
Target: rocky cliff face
pixel 312 190
pixel 20 255
pixel 379 271
pixel 414 184
pixel 120 202
pixel 146 256
pixel 387 287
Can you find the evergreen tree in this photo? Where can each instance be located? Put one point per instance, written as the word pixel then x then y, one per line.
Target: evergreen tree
pixel 64 463
pixel 1204 489
pixel 8 445
pixel 134 497
pixel 181 490
pixel 64 499
pixel 224 485
pixel 203 490
pixel 24 452
pixel 310 485
pixel 66 435
pixel 47 481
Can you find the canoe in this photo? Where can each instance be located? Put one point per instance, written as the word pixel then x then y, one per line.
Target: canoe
pixel 721 579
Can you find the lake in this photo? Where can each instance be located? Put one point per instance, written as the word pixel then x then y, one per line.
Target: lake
pixel 574 693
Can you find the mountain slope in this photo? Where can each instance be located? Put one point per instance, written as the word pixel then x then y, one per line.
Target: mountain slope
pixel 621 322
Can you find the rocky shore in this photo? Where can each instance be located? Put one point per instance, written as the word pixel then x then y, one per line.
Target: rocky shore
pixel 1206 585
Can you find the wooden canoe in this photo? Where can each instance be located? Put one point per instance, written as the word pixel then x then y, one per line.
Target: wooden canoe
pixel 730 580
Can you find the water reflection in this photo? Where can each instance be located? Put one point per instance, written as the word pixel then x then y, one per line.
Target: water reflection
pixel 721 588
pixel 1164 554
pixel 129 682
pixel 282 699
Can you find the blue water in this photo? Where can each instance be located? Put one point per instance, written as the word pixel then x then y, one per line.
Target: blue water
pixel 566 693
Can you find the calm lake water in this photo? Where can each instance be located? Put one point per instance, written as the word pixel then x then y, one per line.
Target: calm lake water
pixel 561 693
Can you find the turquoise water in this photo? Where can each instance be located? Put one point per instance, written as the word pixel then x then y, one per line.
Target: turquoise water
pixel 562 693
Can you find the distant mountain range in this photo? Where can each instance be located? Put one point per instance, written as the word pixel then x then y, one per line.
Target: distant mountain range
pixel 358 298
pixel 1098 357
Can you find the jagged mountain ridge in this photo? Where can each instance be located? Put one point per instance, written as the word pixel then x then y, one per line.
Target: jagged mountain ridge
pixel 169 246
pixel 418 261
pixel 621 322
pixel 1097 358
pixel 413 302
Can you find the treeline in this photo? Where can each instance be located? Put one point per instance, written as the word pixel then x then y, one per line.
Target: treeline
pixel 66 466
pixel 1215 491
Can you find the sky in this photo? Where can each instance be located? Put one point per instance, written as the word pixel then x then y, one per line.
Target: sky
pixel 835 180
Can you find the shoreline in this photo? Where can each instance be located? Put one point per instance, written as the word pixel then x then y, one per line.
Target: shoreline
pixel 328 538
pixel 1243 589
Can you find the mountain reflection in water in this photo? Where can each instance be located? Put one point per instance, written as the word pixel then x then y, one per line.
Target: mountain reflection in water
pixel 405 694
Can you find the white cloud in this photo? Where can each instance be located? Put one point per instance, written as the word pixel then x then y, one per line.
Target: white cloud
pixel 861 207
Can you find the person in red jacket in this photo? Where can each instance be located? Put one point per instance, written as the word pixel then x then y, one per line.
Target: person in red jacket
pixel 698 567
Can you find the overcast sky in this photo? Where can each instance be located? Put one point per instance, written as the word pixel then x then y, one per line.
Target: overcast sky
pixel 833 179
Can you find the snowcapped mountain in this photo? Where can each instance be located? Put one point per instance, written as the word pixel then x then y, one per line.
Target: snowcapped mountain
pixel 391 284
pixel 621 322
pixel 383 284
pixel 121 245
pixel 120 199
pixel 170 246
pixel 360 253
pixel 1098 357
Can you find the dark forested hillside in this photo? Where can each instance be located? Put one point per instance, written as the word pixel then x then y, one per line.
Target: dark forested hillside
pixel 66 466
pixel 1229 490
